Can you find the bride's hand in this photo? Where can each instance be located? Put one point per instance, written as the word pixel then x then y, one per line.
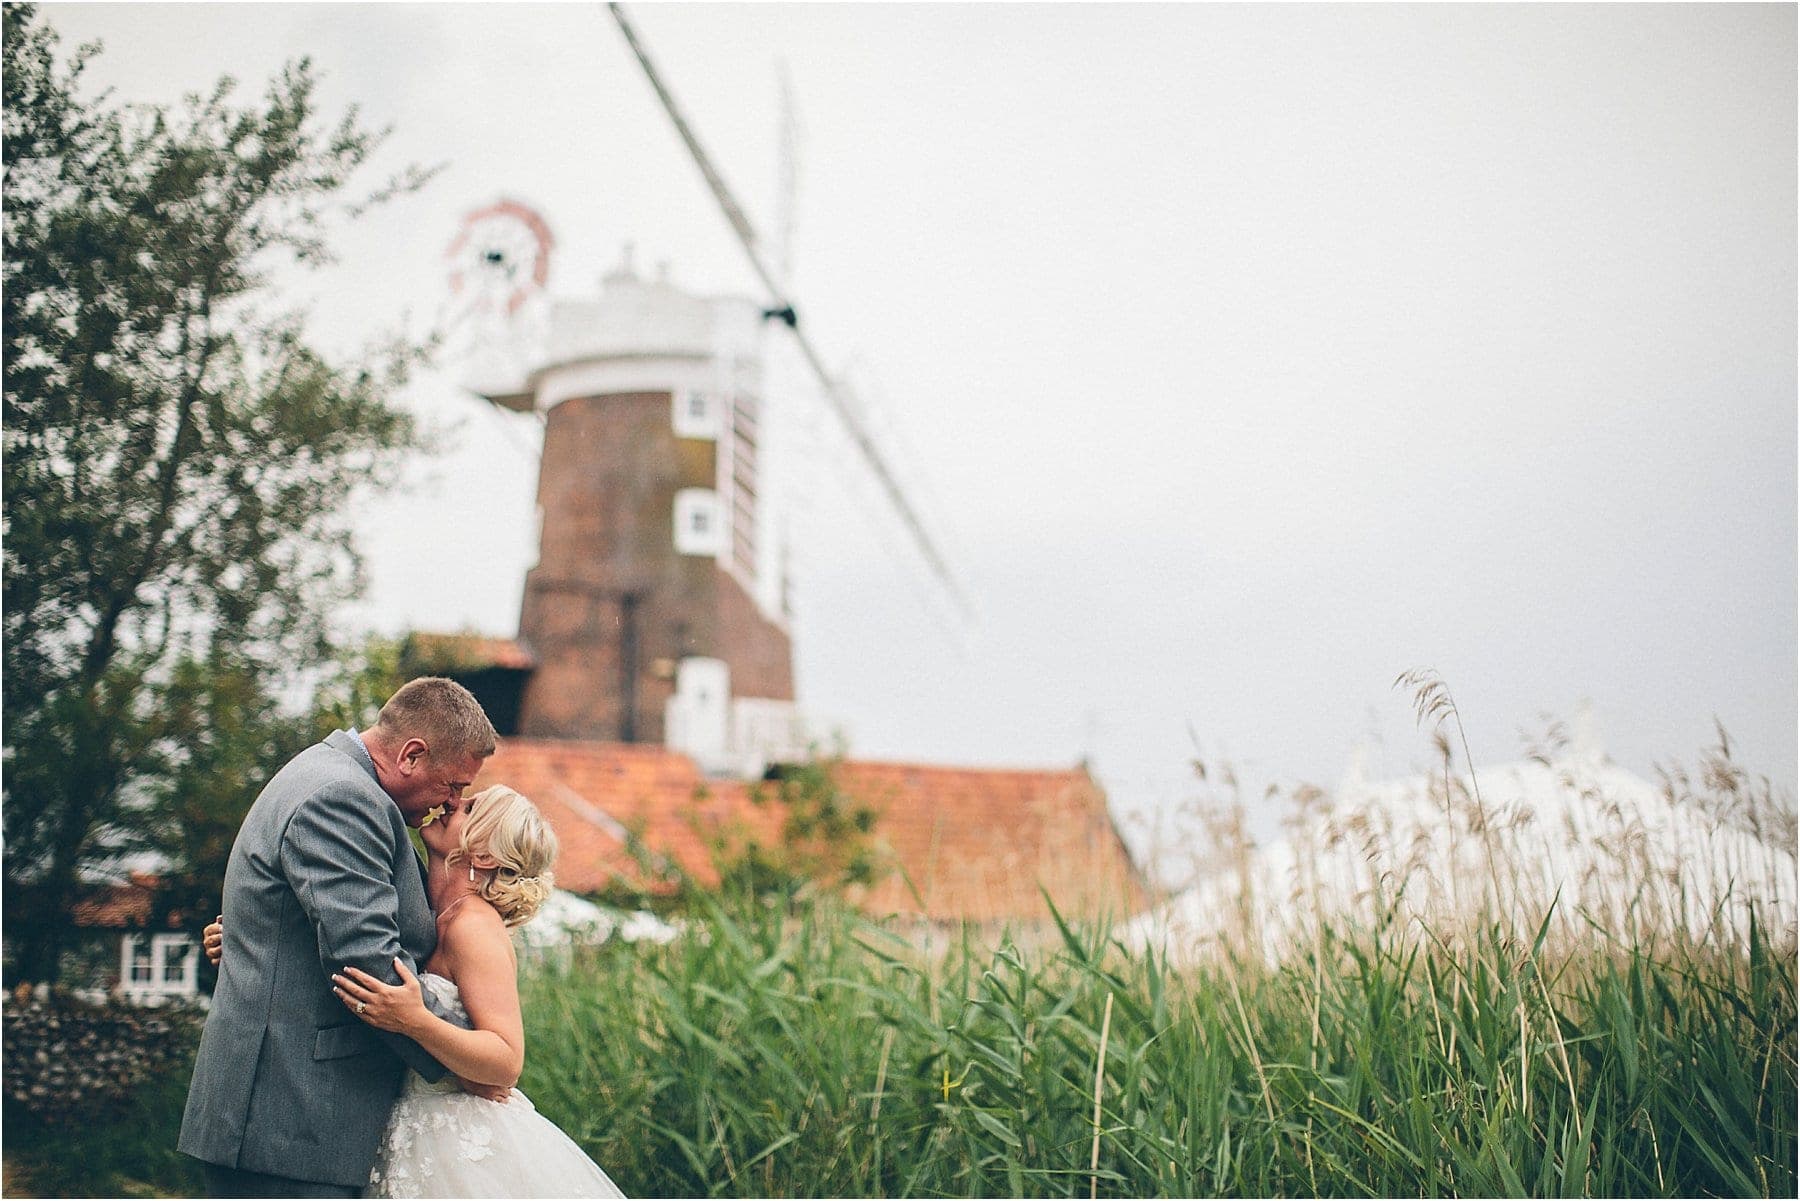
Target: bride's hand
pixel 399 1007
pixel 498 1093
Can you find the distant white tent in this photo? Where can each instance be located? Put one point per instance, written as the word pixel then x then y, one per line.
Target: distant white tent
pixel 1616 855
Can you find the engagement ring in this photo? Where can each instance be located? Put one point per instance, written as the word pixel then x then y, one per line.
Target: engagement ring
pixel 360 1006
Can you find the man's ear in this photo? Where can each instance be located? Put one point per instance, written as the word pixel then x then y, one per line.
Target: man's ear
pixel 412 754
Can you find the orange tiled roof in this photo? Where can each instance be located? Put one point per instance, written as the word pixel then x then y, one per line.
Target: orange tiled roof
pixel 975 843
pixel 120 907
pixel 466 652
pixel 979 843
pixel 597 795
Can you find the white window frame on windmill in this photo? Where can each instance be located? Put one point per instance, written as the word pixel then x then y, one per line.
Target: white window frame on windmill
pixel 694 413
pixel 700 523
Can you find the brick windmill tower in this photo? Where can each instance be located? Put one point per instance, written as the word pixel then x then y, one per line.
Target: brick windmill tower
pixel 657 611
pixel 658 608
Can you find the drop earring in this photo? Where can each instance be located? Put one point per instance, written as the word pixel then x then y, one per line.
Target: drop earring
pixel 471 873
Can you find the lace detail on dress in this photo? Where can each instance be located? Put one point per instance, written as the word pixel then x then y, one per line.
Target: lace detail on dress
pixel 425 1127
pixel 408 1163
pixel 443 1142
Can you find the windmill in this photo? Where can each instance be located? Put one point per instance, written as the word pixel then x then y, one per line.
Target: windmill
pixel 658 610
pixel 781 305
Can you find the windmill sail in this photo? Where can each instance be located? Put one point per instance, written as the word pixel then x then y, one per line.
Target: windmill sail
pixel 781 305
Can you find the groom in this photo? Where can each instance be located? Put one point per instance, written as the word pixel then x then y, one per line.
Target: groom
pixel 291 1091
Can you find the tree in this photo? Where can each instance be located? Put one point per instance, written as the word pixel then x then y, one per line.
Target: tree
pixel 235 734
pixel 176 457
pixel 825 841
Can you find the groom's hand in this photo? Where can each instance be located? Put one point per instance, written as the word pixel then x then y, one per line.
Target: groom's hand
pixel 213 939
pixel 487 1092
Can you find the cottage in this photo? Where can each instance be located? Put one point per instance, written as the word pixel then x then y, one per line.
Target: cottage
pixel 145 966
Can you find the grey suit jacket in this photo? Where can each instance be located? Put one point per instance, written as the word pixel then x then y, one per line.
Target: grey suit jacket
pixel 287 1080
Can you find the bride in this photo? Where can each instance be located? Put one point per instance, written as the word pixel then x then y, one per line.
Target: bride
pixel 488 870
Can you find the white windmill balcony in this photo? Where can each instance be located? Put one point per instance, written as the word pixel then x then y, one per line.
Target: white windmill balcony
pixel 765 732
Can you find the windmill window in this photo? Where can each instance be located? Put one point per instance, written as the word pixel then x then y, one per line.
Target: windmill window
pixel 700 527
pixel 693 414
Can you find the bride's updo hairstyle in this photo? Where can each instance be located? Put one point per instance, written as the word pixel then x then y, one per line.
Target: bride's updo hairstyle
pixel 504 824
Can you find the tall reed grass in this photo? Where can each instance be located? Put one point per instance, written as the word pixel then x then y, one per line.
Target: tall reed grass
pixel 810 1052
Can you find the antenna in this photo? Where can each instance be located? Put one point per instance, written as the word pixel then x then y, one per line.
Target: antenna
pixel 781 305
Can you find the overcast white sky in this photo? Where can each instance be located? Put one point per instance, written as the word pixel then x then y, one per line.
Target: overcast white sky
pixel 1242 356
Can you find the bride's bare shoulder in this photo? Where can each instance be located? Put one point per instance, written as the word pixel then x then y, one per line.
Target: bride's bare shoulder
pixel 477 950
pixel 474 926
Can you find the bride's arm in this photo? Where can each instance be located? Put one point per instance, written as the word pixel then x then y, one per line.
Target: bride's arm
pixel 213 939
pixel 481 960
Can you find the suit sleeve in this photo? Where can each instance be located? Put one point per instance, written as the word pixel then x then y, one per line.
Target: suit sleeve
pixel 337 856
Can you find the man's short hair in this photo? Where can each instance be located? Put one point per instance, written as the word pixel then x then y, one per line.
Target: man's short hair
pixel 441 712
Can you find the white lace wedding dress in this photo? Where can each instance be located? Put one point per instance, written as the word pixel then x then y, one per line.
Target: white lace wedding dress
pixel 442 1142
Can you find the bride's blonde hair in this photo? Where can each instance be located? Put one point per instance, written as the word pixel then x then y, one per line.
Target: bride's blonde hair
pixel 508 827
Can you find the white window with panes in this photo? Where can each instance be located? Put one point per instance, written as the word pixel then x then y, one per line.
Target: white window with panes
pixel 156 966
